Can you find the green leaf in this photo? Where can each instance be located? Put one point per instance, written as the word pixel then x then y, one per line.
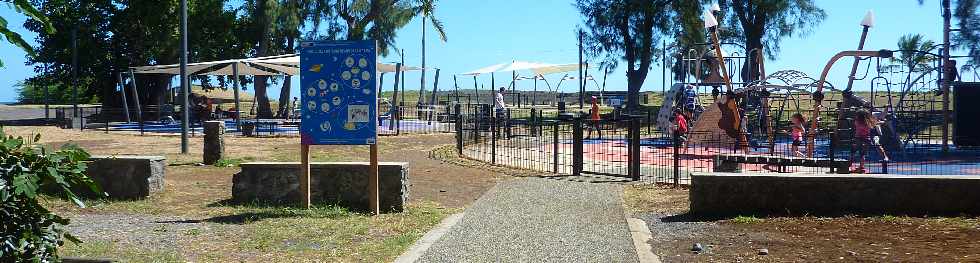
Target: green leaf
pixel 26 185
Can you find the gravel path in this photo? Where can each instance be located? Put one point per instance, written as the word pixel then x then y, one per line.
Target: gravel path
pixel 540 220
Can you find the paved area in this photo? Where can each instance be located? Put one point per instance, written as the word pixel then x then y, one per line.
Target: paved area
pixel 540 220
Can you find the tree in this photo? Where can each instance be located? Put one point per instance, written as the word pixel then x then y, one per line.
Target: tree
pixel 370 19
pixel 626 30
pixel 23 7
pixel 763 23
pixel 426 8
pixel 911 52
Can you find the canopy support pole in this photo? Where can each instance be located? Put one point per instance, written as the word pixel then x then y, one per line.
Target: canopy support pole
pixel 394 98
pixel 534 94
pixel 456 88
pixel 136 98
pixel 432 98
pixel 238 104
pixel 122 90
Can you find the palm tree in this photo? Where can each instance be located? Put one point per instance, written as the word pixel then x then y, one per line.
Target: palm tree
pixel 913 55
pixel 23 7
pixel 912 48
pixel 426 8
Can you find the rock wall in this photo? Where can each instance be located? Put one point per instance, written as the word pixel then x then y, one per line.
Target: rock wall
pixel 128 177
pixel 342 183
pixel 722 194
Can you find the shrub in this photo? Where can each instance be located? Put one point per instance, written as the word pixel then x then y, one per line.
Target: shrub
pixel 31 233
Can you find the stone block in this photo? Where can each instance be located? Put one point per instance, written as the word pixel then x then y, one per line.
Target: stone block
pixel 128 177
pixel 214 141
pixel 341 183
pixel 725 194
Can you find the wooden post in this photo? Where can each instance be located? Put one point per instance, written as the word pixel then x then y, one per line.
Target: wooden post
pixel 373 181
pixel 304 176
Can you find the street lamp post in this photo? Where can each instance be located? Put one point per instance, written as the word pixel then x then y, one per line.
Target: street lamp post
pixel 185 116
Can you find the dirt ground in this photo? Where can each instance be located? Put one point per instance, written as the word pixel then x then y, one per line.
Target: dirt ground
pixel 799 239
pixel 432 180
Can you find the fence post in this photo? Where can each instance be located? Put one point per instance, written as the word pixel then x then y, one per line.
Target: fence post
pixel 477 116
pixel 554 137
pixel 533 123
pixel 493 136
pixel 677 158
pixel 634 148
pixel 459 130
pixel 577 145
pixel 831 152
pixel 507 124
pixel 649 121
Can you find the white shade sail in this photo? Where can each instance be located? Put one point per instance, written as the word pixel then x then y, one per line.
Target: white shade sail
pixel 485 70
pixel 535 67
pixel 552 69
pixel 262 66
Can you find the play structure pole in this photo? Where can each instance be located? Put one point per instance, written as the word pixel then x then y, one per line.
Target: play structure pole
pixel 238 105
pixel 820 84
pixel 854 67
pixel 185 116
pixel 945 82
pixel 122 90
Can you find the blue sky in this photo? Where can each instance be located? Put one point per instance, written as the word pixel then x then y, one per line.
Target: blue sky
pixel 483 33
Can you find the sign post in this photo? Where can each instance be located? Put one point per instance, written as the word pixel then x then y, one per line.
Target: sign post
pixel 339 100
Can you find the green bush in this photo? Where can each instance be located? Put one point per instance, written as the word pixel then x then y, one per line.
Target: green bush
pixel 31 233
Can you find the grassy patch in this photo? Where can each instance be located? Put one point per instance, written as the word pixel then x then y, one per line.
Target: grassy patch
pixel 118 252
pixel 233 162
pixel 646 198
pixel 329 233
pixel 746 220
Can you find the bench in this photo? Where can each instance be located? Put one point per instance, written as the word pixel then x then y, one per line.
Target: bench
pixel 729 163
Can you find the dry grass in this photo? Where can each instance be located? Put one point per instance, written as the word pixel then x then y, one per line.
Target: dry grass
pixel 238 233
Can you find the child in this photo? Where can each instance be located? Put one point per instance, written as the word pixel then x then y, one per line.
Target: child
pixel 594 118
pixel 863 123
pixel 797 132
pixel 680 129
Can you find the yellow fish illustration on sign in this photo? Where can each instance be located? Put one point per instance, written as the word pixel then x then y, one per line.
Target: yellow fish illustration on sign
pixel 316 68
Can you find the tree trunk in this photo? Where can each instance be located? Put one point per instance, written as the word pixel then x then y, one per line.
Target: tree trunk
pixel 751 69
pixel 286 86
pixel 261 85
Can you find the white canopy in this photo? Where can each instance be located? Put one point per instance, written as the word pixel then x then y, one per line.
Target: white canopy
pixel 535 67
pixel 263 66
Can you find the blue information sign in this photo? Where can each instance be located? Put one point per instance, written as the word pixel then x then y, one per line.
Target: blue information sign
pixel 339 92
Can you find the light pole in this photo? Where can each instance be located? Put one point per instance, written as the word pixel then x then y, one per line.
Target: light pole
pixel 185 116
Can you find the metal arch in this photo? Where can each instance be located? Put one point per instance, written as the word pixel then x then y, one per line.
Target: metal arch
pixel 791 80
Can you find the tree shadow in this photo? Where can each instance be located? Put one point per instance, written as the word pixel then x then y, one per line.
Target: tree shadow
pixel 252 212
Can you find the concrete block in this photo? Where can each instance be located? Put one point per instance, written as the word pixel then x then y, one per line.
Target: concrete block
pixel 128 177
pixel 342 183
pixel 726 194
